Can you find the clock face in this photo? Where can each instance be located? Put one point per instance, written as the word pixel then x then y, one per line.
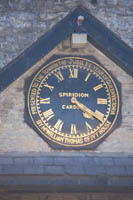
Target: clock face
pixel 73 102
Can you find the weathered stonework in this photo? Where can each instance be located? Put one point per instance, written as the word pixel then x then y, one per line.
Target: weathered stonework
pixel 66 196
pixel 17 136
pixel 42 173
pixel 23 22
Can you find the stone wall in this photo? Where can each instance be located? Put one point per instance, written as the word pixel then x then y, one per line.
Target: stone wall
pixel 17 136
pixel 65 196
pixel 23 22
pixel 85 176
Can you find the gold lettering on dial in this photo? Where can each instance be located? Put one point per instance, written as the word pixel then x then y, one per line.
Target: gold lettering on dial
pixel 101 101
pixel 45 101
pixel 59 125
pixel 88 75
pixel 100 114
pixel 97 87
pixel 49 86
pixel 48 114
pixel 73 73
pixel 88 126
pixel 59 76
pixel 73 129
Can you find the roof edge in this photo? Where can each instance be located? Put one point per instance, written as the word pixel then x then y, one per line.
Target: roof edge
pixel 99 35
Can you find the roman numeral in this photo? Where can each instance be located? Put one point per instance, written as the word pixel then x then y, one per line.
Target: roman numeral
pixel 73 129
pixel 73 73
pixel 100 114
pixel 88 126
pixel 88 75
pixel 59 125
pixel 49 86
pixel 48 114
pixel 45 101
pixel 101 101
pixel 97 87
pixel 59 76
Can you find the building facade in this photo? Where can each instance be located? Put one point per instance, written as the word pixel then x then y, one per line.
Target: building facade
pixel 26 159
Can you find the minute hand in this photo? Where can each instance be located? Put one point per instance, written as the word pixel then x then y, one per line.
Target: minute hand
pixel 86 109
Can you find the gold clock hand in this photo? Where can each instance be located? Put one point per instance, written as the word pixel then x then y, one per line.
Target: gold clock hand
pixel 86 110
pixel 81 107
pixel 87 115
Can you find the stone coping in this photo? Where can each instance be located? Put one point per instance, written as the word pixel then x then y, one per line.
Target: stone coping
pixel 66 172
pixel 68 153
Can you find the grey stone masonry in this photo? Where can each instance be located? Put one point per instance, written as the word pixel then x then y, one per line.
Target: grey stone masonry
pixel 66 172
pixel 23 22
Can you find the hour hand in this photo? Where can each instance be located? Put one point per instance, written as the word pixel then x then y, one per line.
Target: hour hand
pixel 87 115
pixel 82 108
pixel 87 112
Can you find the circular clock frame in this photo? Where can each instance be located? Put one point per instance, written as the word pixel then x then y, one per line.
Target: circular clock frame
pixel 73 103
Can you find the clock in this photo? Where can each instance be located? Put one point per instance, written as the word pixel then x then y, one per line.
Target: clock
pixel 73 103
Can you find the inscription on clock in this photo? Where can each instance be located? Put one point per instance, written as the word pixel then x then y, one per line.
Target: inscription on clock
pixel 73 103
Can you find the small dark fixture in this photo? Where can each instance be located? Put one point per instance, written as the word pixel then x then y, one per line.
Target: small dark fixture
pixel 94 2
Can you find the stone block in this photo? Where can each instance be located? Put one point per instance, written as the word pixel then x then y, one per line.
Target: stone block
pixel 75 170
pixel 128 161
pixel 129 170
pixel 23 161
pixel 56 170
pixel 48 160
pixel 112 2
pixel 115 171
pixel 95 170
pixel 12 169
pixel 6 160
pixel 124 181
pixel 104 161
pixel 79 40
pixel 73 161
pixel 33 169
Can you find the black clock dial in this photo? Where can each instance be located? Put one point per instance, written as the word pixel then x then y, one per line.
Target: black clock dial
pixel 73 102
